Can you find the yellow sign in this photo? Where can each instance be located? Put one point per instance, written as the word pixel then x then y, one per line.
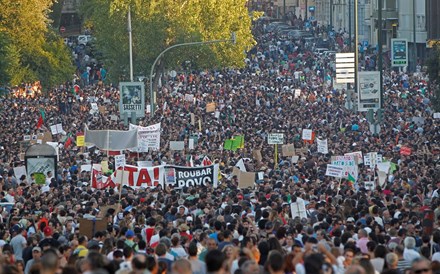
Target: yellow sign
pixel 80 140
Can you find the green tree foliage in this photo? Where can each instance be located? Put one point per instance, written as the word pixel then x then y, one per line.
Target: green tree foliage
pixel 29 49
pixel 158 24
pixel 434 76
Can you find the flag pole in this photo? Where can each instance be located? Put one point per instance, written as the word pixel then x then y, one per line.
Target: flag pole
pixel 108 142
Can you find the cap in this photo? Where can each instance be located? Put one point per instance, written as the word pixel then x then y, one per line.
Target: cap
pixel 350 219
pixel 47 231
pixel 36 248
pixel 129 234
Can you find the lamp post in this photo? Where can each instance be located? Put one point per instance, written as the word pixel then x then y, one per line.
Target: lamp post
pixel 233 39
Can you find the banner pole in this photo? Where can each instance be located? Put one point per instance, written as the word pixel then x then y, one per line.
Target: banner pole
pixel 339 186
pixel 276 156
pixel 122 182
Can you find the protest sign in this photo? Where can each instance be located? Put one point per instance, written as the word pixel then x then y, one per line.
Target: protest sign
pixel 288 150
pixel 382 178
pixel 370 185
pixel 177 145
pixel 56 129
pixel 437 115
pixel 191 143
pixel 189 97
pixel 19 171
pixel 180 177
pixel 322 146
pixel 298 209
pixel 148 137
pixel 384 166
pixel 88 227
pixel 372 158
pixel 406 151
pixel 119 161
pixel 334 171
pixel 307 134
pixel 132 99
pixel 246 179
pixel 275 138
pixel 357 156
pixel 348 163
pixel 102 110
pixel 294 159
pixel 80 140
pixel 217 114
pixel 210 107
pixel 26 138
pixel 193 119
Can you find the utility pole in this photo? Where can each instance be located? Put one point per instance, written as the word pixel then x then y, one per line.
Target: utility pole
pixel 331 15
pixel 130 41
pixel 349 24
pixel 307 9
pixel 284 11
pixel 414 35
pixel 379 52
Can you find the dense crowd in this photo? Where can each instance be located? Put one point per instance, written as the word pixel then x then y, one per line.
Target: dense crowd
pixel 349 228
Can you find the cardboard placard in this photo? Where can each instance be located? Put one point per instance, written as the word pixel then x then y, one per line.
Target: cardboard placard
pixel 236 171
pixel 210 107
pixel 89 227
pixel 246 179
pixel 47 137
pixel 288 150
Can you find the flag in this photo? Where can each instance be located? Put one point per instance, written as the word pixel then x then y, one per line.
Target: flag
pixel 41 118
pixel 97 182
pixel 68 142
pixel 351 179
pixel 206 161
pixel 189 161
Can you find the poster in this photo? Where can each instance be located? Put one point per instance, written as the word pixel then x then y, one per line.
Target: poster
pixel 275 138
pixel 180 177
pixel 80 140
pixel 334 171
pixel 119 161
pixel 298 209
pixel 307 134
pixel 40 165
pixel 349 164
pixel 246 179
pixel 148 137
pixel 288 150
pixel 177 145
pixel 56 129
pixel 357 156
pixel 322 146
pixel 132 99
pixel 406 151
pixel 369 185
pixel 399 52
pixel 210 107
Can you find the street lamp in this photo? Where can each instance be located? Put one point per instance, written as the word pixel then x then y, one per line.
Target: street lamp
pixel 233 39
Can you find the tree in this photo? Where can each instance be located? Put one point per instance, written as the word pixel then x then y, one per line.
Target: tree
pixel 158 24
pixel 30 49
pixel 433 64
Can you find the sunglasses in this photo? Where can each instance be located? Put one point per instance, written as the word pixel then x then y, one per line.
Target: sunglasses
pixel 423 270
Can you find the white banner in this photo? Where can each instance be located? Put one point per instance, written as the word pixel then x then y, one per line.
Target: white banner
pixel 148 137
pixel 275 138
pixel 56 129
pixel 307 134
pixel 349 164
pixel 119 161
pixel 322 146
pixel 334 171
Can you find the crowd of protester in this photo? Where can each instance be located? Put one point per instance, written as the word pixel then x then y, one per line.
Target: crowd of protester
pixel 349 228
